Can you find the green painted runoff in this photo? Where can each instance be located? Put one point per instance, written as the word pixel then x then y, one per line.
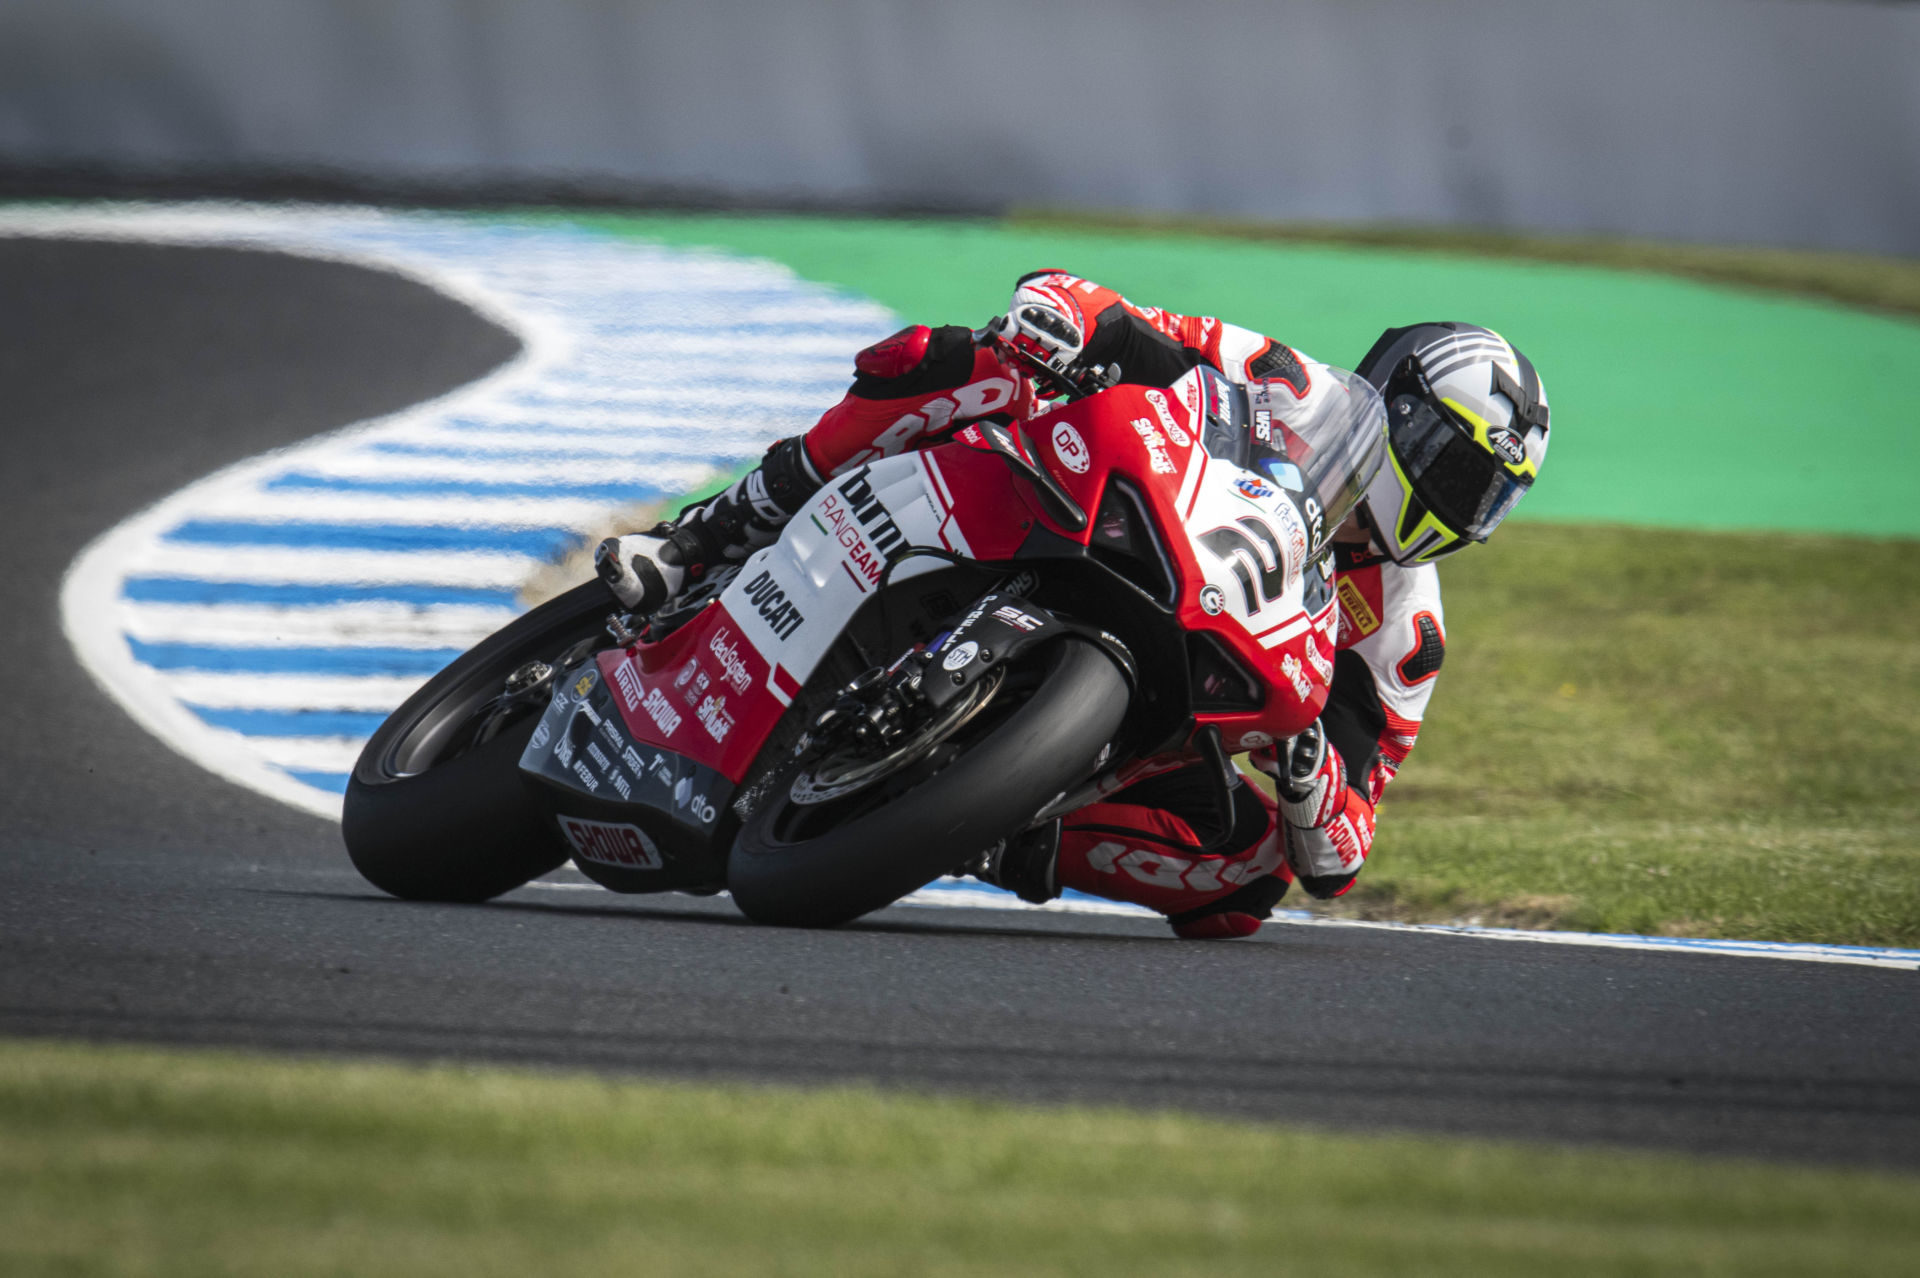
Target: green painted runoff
pixel 1676 403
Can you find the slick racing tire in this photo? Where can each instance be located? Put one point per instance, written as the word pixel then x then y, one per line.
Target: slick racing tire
pixel 428 819
pixel 783 872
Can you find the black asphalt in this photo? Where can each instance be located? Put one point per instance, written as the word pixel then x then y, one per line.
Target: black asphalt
pixel 141 898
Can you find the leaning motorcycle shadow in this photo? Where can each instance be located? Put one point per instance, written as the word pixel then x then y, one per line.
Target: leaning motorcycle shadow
pixel 718 912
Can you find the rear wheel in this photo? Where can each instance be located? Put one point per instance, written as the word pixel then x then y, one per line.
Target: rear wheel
pixel 437 808
pixel 822 862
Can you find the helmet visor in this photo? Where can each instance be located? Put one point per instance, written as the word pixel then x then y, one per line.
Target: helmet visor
pixel 1463 484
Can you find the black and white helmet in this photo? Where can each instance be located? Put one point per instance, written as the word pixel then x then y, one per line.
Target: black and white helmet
pixel 1466 435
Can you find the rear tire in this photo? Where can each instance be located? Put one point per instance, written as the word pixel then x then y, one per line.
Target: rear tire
pixel 426 821
pixel 1023 763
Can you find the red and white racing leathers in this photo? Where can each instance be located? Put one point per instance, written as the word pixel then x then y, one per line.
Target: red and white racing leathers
pixel 1142 843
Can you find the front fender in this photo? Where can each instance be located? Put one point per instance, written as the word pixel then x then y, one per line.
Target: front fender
pixel 999 629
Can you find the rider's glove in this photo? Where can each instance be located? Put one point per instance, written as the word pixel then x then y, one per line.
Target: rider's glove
pixel 1310 778
pixel 1046 329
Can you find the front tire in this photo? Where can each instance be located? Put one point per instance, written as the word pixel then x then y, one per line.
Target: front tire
pixel 1022 763
pixel 431 818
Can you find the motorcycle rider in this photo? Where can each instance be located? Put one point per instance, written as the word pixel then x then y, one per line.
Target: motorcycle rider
pixel 1467 431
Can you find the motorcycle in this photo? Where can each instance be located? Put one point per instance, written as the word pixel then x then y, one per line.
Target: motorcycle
pixel 945 648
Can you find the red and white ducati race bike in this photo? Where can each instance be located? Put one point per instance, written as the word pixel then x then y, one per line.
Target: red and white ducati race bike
pixel 943 649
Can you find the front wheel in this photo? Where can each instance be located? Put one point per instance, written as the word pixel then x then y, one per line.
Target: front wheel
pixel 785 869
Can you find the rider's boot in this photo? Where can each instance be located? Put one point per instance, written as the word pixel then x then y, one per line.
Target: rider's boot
pixel 648 570
pixel 1026 864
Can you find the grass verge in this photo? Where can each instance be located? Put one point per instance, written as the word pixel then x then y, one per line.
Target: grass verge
pixel 1698 734
pixel 133 1161
pixel 1856 279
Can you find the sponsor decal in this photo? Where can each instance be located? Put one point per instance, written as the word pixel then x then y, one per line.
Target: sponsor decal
pixel 1294 528
pixel 563 749
pixel 961 656
pixel 860 522
pixel 1318 662
pixel 599 756
pixel 1364 619
pixel 635 764
pixel 1254 740
pixel 975 399
pixel 628 682
pixel 661 711
pixel 583 684
pixel 1213 600
pixel 542 735
pixel 1190 395
pixel 1156 446
pixel 973 436
pixel 1161 409
pixel 1012 616
pixel 1316 518
pixel 586 776
pixel 771 602
pixel 1021 583
pixel 1263 425
pixel 614 740
pixel 611 844
pixel 696 804
pixel 714 718
pixel 1297 676
pixel 620 783
pixel 692 690
pixel 1252 489
pixel 1162 869
pixel 1508 446
pixel 661 770
pixel 586 711
pixel 1071 449
pixel 733 669
pixel 1218 405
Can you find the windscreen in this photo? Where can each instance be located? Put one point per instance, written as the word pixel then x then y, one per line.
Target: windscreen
pixel 1325 447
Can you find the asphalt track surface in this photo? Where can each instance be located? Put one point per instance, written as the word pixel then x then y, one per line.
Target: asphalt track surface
pixel 144 899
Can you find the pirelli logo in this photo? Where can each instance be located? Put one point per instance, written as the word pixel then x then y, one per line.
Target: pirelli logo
pixel 1355 603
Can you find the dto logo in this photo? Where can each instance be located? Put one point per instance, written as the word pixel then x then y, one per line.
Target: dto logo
pixel 1071 449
